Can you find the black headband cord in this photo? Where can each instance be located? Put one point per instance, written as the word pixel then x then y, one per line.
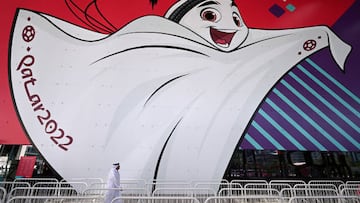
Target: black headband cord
pixel 179 13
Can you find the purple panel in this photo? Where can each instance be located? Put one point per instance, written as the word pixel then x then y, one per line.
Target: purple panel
pixel 347 29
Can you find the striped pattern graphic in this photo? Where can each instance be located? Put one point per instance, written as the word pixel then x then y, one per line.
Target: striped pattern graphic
pixel 307 110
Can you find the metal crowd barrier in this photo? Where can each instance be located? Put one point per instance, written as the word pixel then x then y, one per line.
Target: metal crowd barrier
pixel 325 199
pixel 245 199
pixel 9 185
pixel 124 191
pixel 350 184
pixel 337 183
pixel 32 181
pixel 88 181
pixel 2 194
pixel 200 194
pixel 288 193
pixel 155 200
pixel 182 192
pixel 249 192
pixel 350 191
pixel 279 186
pixel 42 191
pixel 52 199
pixel 292 183
pixel 242 183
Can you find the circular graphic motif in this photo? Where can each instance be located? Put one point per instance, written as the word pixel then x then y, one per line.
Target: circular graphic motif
pixel 309 45
pixel 28 33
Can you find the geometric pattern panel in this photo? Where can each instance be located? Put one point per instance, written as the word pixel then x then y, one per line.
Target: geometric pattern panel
pixel 308 110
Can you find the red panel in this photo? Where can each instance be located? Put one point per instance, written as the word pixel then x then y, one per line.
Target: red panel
pixel 255 12
pixel 306 13
pixel 26 166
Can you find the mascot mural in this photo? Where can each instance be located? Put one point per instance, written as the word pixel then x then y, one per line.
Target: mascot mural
pixel 169 97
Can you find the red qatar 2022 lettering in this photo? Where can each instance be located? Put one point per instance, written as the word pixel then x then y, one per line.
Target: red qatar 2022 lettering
pixel 42 114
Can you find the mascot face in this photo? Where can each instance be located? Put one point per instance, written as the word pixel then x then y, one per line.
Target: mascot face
pixel 219 22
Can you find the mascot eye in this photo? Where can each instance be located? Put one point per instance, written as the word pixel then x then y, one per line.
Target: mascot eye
pixel 210 14
pixel 236 19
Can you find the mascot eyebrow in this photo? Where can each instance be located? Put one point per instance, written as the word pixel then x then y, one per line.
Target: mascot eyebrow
pixel 208 3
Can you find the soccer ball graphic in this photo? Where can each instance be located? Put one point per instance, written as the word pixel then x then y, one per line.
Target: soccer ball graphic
pixel 28 33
